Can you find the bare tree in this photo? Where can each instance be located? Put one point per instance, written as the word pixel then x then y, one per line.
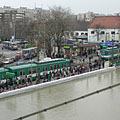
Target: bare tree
pixel 98 31
pixel 57 23
pixel 50 28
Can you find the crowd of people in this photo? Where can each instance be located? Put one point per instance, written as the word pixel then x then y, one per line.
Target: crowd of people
pixel 24 81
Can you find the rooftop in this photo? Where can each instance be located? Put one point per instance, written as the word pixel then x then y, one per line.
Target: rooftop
pixel 107 22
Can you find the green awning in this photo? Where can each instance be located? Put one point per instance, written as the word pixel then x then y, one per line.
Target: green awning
pixel 9 75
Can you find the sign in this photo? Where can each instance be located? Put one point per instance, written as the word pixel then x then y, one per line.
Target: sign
pixel 66 47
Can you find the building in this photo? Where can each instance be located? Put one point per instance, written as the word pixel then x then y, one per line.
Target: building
pixel 75 34
pixel 8 20
pixel 89 16
pixel 104 28
pixel 29 14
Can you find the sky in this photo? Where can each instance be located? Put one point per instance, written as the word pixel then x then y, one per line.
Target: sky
pixel 76 6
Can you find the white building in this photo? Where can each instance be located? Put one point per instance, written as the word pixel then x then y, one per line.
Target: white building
pixel 73 34
pixel 105 28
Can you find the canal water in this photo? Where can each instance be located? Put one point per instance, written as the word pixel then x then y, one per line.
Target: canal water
pixel 101 106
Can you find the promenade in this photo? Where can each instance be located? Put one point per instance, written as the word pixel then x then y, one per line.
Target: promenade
pixel 80 65
pixel 28 87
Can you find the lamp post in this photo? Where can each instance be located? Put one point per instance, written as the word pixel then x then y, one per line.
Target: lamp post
pixel 2 53
pixel 112 52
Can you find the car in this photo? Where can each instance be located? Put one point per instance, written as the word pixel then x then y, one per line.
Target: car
pixel 32 61
pixel 20 63
pixel 13 59
pixel 18 55
pixel 8 61
pixel 27 56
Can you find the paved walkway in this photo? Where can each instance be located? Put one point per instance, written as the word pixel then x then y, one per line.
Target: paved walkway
pixel 79 60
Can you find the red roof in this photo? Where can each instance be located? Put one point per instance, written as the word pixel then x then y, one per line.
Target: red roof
pixel 106 22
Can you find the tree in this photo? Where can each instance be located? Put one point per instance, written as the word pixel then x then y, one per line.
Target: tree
pixel 59 21
pixel 98 31
pixel 48 29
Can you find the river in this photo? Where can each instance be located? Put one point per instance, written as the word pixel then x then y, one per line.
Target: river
pixel 101 106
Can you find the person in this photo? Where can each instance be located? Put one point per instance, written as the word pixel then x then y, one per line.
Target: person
pixel 99 64
pixel 90 66
pixel 37 80
pixel 6 84
pixel 109 63
pixel 90 59
pixel 103 63
pixel 64 73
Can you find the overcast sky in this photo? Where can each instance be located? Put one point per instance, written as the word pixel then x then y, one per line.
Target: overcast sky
pixel 76 6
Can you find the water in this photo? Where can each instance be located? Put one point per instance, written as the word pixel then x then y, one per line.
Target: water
pixel 102 106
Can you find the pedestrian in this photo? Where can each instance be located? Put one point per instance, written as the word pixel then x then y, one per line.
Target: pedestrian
pixel 99 65
pixel 64 73
pixel 103 63
pixel 37 80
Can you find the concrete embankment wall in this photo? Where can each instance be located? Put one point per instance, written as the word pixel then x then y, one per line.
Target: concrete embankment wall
pixel 55 82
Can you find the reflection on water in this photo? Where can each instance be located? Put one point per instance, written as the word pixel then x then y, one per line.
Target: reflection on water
pixel 102 106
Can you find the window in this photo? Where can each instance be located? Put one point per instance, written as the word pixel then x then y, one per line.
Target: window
pixel 86 34
pixel 77 34
pixel 23 72
pixel 51 67
pixel 71 33
pixel 66 33
pixel 102 32
pixel 54 66
pixel 113 32
pixel 20 72
pixel 15 73
pixel 43 68
pixel 38 69
pixel 82 33
pixel 46 68
pixel 58 66
pixel 102 40
pixel 29 71
pixel 34 70
pixel 92 32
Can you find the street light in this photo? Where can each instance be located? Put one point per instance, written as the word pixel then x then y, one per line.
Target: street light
pixel 2 53
pixel 112 52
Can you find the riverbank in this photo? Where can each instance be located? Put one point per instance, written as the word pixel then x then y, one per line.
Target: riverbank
pixel 54 82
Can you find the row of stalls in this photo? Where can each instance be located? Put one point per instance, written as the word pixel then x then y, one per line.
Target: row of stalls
pixel 76 50
pixel 108 45
pixel 90 48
